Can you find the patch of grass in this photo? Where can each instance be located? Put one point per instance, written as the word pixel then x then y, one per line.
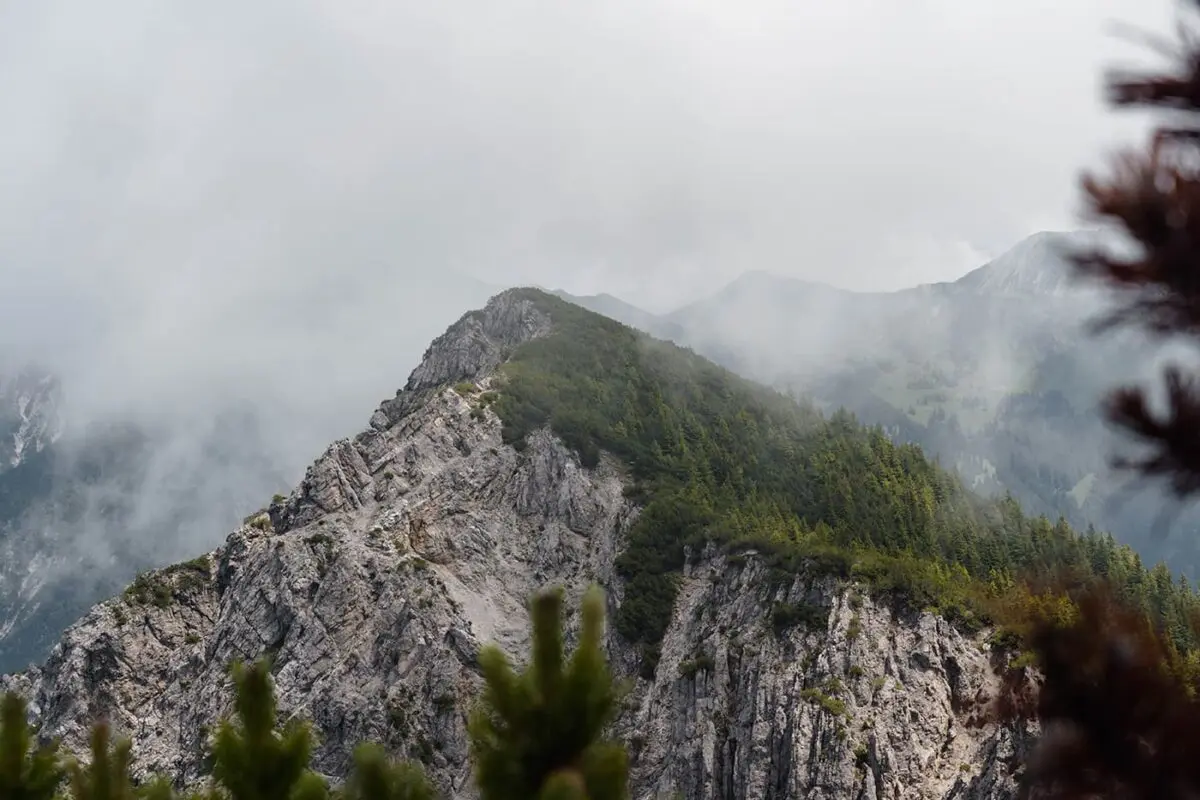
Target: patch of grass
pixel 854 629
pixel 785 616
pixel 149 588
pixel 831 705
pixel 703 662
pixel 190 575
pixel 161 588
pixel 464 389
pixel 397 719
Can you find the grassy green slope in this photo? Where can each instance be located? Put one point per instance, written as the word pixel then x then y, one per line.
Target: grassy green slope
pixel 716 458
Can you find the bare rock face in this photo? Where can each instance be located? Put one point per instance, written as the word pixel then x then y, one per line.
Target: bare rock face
pixel 30 414
pixel 403 551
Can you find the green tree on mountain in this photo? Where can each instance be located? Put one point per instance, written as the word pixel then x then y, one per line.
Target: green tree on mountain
pixel 1118 695
pixel 28 770
pixel 252 760
pixel 539 734
pixel 535 735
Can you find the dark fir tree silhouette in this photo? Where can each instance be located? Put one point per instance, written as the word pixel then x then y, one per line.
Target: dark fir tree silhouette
pixel 252 760
pixel 376 777
pixel 106 777
pixel 1116 700
pixel 28 771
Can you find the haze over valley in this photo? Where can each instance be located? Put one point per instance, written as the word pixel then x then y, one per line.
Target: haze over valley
pixel 333 332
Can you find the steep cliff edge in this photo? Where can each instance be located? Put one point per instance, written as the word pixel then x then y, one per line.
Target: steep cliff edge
pixel 374 584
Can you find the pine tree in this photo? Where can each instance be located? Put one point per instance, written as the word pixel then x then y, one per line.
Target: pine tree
pixel 107 776
pixel 28 771
pixel 253 761
pixel 161 789
pixel 539 734
pixel 377 778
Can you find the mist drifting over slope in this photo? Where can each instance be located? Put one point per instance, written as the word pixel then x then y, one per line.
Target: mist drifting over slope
pixel 231 230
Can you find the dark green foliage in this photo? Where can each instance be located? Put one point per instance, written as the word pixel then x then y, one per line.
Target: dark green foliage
pixel 161 789
pixel 375 777
pixel 253 760
pixel 189 575
pixel 538 734
pixel 163 587
pixel 150 588
pixel 701 663
pixel 107 776
pixel 715 458
pixel 28 771
pixel 825 699
pixel 785 616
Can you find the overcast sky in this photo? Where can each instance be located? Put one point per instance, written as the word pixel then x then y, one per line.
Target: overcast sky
pixel 207 188
pixel 264 205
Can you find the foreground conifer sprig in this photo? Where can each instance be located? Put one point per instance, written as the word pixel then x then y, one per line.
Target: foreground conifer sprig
pixel 28 771
pixel 107 776
pixel 378 778
pixel 253 760
pixel 540 733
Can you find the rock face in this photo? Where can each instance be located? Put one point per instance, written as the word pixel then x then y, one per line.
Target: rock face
pixel 405 549
pixel 30 415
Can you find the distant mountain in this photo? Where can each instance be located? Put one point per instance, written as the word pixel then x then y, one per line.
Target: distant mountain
pixel 995 374
pixel 616 308
pixel 1036 266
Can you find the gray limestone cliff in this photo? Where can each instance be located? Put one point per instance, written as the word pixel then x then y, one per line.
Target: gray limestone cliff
pixel 30 414
pixel 374 584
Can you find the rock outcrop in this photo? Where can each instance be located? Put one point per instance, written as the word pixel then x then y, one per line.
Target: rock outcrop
pixel 402 551
pixel 30 415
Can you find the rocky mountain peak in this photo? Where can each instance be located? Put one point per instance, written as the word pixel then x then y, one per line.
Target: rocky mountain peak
pixel 481 340
pixel 1037 265
pixel 472 347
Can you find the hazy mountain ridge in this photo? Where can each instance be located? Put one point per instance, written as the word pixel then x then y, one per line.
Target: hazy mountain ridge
pixel 995 374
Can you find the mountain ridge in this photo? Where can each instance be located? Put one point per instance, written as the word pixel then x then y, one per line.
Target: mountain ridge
pixel 375 581
pixel 779 671
pixel 996 374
